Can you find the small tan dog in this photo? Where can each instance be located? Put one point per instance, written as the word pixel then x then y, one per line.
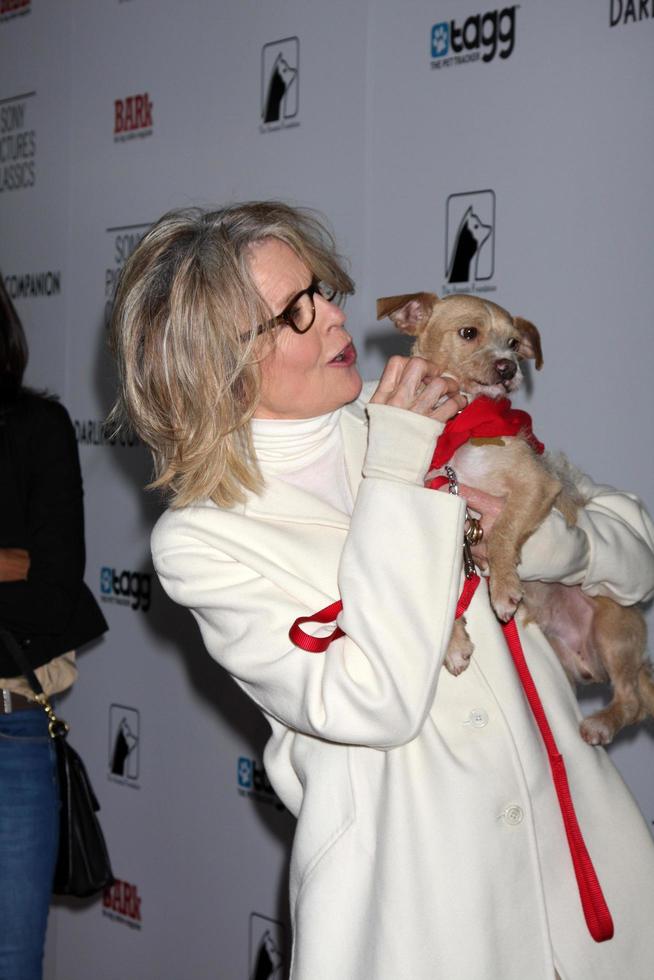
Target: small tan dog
pixel 481 345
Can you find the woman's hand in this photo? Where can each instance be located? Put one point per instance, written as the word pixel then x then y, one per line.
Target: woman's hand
pixel 14 564
pixel 486 507
pixel 412 383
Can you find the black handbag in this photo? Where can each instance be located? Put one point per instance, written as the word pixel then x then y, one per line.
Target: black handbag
pixel 83 865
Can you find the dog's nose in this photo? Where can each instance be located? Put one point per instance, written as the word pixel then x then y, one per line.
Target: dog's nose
pixel 506 368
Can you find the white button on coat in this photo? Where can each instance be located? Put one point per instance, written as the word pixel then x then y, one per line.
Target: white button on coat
pixel 478 718
pixel 513 815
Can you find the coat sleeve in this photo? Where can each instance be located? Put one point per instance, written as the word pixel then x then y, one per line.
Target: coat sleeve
pixel 609 552
pixel 399 581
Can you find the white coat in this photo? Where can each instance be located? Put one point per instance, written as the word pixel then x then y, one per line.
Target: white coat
pixel 429 842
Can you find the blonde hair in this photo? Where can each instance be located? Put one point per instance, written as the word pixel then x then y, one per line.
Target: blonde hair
pixel 181 331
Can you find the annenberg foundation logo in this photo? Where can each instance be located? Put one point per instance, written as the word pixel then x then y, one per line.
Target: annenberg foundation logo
pixel 124 745
pixel 122 903
pixel 132 117
pixel 253 783
pixel 630 11
pixel 280 84
pixel 481 37
pixel 470 243
pixel 14 8
pixel 121 242
pixel 126 588
pixel 267 955
pixel 17 143
pixel 29 285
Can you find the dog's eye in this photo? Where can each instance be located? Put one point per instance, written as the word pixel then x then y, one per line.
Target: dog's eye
pixel 513 343
pixel 468 333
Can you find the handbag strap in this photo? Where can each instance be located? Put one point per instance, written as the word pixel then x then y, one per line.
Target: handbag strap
pixel 57 726
pixel 14 650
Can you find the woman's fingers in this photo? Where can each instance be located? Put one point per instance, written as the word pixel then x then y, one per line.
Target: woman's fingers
pixel 486 504
pixel 388 382
pixel 413 383
pixel 449 408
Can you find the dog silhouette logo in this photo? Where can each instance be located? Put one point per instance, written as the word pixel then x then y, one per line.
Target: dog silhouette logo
pixel 267 948
pixel 124 742
pixel 280 81
pixel 268 958
pixel 470 237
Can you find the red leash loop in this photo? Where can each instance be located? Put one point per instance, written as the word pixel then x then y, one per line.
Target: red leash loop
pixel 316 644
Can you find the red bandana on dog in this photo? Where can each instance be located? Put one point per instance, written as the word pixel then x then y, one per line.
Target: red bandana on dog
pixel 483 418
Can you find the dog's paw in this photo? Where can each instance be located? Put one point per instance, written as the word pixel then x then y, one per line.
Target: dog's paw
pixel 506 596
pixel 458 655
pixel 456 661
pixel 597 730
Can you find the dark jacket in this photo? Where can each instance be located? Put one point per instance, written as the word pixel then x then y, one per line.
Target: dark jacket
pixel 41 510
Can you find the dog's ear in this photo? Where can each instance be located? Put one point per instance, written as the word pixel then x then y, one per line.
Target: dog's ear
pixel 409 312
pixel 530 345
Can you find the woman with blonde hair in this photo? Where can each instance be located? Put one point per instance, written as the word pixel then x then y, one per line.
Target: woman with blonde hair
pixel 429 841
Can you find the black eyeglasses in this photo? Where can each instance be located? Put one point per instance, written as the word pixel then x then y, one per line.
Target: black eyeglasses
pixel 300 312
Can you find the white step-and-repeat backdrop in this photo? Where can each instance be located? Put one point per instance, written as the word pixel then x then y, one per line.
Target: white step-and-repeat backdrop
pixel 505 151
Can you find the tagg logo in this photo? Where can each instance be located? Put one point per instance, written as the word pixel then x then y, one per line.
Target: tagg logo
pixel 122 903
pixel 124 741
pixel 480 38
pixel 625 12
pixel 125 588
pixel 14 8
pixel 470 242
pixel 253 783
pixel 132 117
pixel 267 955
pixel 280 84
pixel 17 143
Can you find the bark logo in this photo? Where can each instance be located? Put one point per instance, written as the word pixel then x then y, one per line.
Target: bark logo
pixel 122 903
pixel 132 117
pixel 14 8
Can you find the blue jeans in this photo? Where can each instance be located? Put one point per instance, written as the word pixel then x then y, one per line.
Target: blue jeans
pixel 29 827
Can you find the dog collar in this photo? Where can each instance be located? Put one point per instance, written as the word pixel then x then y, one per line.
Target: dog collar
pixel 483 418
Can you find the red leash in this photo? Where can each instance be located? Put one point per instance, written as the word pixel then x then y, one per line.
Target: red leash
pixel 596 912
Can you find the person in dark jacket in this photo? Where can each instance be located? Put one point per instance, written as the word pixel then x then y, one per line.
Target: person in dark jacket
pixel 49 610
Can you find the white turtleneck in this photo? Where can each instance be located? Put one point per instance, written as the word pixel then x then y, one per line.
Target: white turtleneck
pixel 307 453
